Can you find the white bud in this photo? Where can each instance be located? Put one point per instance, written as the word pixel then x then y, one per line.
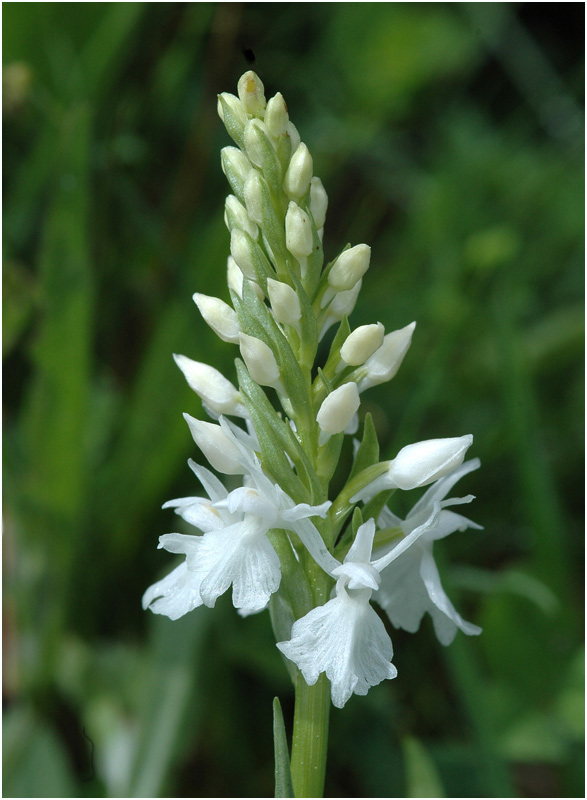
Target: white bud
pixel 342 304
pixel 218 448
pixel 219 316
pixel 424 462
pixel 299 172
pixel 362 343
pixel 385 362
pixel 235 215
pixel 276 117
pixel 285 302
pixel 298 232
pixel 253 194
pixel 217 392
pixel 339 408
pixel 241 251
pixel 257 142
pixel 349 267
pixel 236 166
pixel 260 360
pixel 235 108
pixel 251 93
pixel 318 202
pixel 234 276
pixel 293 135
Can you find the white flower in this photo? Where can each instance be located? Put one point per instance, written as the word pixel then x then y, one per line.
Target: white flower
pixel 345 638
pixel 235 549
pixel 411 586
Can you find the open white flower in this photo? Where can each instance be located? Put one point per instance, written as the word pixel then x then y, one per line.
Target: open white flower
pixel 345 638
pixel 235 549
pixel 411 585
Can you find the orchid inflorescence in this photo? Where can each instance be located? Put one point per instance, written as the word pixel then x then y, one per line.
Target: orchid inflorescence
pixel 279 541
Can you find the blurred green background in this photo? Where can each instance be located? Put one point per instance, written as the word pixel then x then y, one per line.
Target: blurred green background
pixel 450 138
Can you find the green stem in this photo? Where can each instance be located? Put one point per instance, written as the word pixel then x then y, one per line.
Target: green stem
pixel 310 737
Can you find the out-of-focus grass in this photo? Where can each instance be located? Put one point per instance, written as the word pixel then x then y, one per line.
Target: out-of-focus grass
pixel 449 137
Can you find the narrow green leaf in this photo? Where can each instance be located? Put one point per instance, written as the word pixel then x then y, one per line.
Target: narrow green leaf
pixel 357 520
pixel 272 435
pixel 422 779
pixel 55 416
pixel 260 323
pixel 368 452
pixel 283 782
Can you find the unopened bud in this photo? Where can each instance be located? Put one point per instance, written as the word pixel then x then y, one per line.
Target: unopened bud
pixel 342 304
pixel 253 194
pixel 385 362
pixel 252 94
pixel 218 448
pixel 294 136
pixel 236 216
pixel 219 316
pixel 424 462
pixel 236 166
pixel 260 360
pixel 233 115
pixel 299 172
pixel 235 278
pixel 318 202
pixel 242 252
pixel 339 408
pixel 349 267
pixel 258 146
pixel 276 117
pixel 298 232
pixel 285 302
pixel 216 392
pixel 362 343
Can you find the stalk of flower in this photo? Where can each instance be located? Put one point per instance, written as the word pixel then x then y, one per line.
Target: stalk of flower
pixel 279 540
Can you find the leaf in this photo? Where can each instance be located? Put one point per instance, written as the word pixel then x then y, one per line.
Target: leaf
pixel 34 759
pixel 422 779
pixel 283 782
pixel 368 452
pixel 274 435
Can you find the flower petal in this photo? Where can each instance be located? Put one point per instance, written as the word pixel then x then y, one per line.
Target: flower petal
pixel 431 578
pixel 174 595
pixel 440 488
pixel 214 487
pixel 402 593
pixel 244 558
pixel 345 639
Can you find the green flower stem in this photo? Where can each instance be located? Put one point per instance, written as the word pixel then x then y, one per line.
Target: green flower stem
pixel 311 713
pixel 310 737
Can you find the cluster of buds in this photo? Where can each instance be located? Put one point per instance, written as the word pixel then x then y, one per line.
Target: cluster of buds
pixel 279 539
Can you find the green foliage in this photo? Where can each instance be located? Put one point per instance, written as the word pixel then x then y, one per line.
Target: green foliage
pixel 448 138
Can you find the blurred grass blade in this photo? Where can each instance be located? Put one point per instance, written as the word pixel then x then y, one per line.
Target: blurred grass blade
pixel 170 717
pixel 56 414
pixel 283 782
pixel 422 779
